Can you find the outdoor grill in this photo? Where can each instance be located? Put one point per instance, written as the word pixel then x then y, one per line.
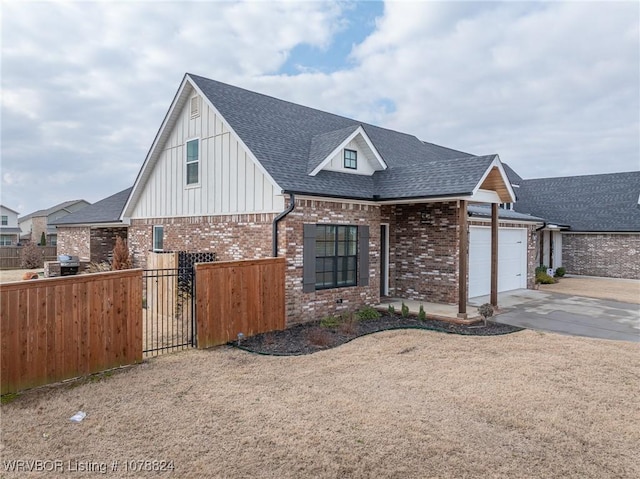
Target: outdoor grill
pixel 68 264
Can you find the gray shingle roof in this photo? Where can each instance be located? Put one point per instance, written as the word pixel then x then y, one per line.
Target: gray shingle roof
pixel 48 211
pixel 288 138
pixel 607 202
pixel 9 230
pixel 514 177
pixel 107 210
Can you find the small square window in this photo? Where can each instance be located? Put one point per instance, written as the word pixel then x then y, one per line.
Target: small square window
pixel 158 238
pixel 351 159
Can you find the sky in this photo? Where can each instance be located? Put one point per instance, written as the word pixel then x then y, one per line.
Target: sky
pixel 552 87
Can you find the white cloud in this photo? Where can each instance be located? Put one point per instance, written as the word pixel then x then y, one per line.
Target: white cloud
pixel 552 87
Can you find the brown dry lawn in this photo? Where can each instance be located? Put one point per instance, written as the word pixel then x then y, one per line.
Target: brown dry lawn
pixel 625 290
pixel 11 275
pixel 392 404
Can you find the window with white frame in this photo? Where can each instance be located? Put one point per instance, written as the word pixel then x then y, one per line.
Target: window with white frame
pixel 6 240
pixel 506 206
pixel 351 159
pixel 5 220
pixel 158 238
pixel 193 162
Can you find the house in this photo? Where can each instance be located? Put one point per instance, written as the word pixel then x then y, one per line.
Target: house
pixel 359 212
pixel 90 233
pixel 34 224
pixel 9 231
pixel 592 222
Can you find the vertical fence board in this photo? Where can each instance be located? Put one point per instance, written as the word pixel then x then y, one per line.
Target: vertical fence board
pixel 239 297
pixel 59 328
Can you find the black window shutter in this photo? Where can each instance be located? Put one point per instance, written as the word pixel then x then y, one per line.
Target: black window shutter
pixel 309 258
pixel 363 253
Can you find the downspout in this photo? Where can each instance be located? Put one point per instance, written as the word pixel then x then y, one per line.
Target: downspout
pixel 277 219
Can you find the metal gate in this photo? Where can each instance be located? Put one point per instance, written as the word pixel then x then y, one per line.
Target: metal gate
pixel 168 315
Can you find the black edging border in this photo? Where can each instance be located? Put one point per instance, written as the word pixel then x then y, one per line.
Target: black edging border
pixel 235 344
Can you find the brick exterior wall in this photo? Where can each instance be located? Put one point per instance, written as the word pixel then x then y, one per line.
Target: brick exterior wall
pixel 103 240
pixel 231 237
pixel 425 252
pixel 303 307
pixel 601 254
pixel 532 246
pixel 75 241
pixel 38 225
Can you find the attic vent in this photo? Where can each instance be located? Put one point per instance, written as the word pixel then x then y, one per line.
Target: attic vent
pixel 195 106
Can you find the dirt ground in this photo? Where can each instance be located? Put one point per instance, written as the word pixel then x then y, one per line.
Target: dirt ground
pixel 392 404
pixel 10 275
pixel 625 290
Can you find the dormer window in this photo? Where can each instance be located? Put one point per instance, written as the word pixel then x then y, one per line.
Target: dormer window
pixel 351 159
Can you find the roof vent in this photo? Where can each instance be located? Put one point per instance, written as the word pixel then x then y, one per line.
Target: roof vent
pixel 195 106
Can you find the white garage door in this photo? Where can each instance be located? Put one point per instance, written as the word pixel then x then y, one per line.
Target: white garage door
pixel 512 260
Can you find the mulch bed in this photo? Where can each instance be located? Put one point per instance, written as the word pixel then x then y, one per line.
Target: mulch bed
pixel 311 337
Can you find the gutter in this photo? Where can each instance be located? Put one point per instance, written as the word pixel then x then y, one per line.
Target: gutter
pixel 277 219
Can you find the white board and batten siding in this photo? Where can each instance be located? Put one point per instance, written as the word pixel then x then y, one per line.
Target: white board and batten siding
pixel 512 260
pixel 229 180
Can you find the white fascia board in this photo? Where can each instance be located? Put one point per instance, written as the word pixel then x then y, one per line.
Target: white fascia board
pixel 498 164
pixel 152 155
pixel 485 196
pixel 235 135
pixel 358 131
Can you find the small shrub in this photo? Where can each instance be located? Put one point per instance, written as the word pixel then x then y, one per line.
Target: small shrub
pixel 422 316
pixel 544 278
pixel 391 310
pixel 560 272
pixel 43 239
pixel 404 310
pixel 30 257
pixel 121 256
pixel 542 269
pixel 319 337
pixel 486 311
pixel 349 324
pixel 97 267
pixel 329 322
pixel 368 313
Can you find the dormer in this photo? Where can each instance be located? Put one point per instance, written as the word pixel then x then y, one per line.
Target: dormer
pixel 348 150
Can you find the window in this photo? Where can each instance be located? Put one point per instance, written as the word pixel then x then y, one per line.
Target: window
pixel 336 256
pixel 506 206
pixel 5 220
pixel 193 158
pixel 351 159
pixel 158 238
pixel 5 240
pixel 53 240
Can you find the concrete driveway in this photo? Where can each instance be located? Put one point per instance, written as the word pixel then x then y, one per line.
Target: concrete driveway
pixel 568 314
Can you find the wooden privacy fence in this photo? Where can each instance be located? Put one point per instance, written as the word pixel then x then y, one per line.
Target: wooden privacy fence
pixel 238 297
pixel 59 328
pixel 10 256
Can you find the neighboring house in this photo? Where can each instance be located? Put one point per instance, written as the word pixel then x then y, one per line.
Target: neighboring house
pixel 33 225
pixel 592 223
pixel 358 211
pixel 9 230
pixel 91 232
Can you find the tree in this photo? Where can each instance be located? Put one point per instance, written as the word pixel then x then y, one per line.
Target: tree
pixel 121 256
pixel 43 239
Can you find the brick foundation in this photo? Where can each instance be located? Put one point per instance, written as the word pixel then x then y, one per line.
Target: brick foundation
pixel 601 254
